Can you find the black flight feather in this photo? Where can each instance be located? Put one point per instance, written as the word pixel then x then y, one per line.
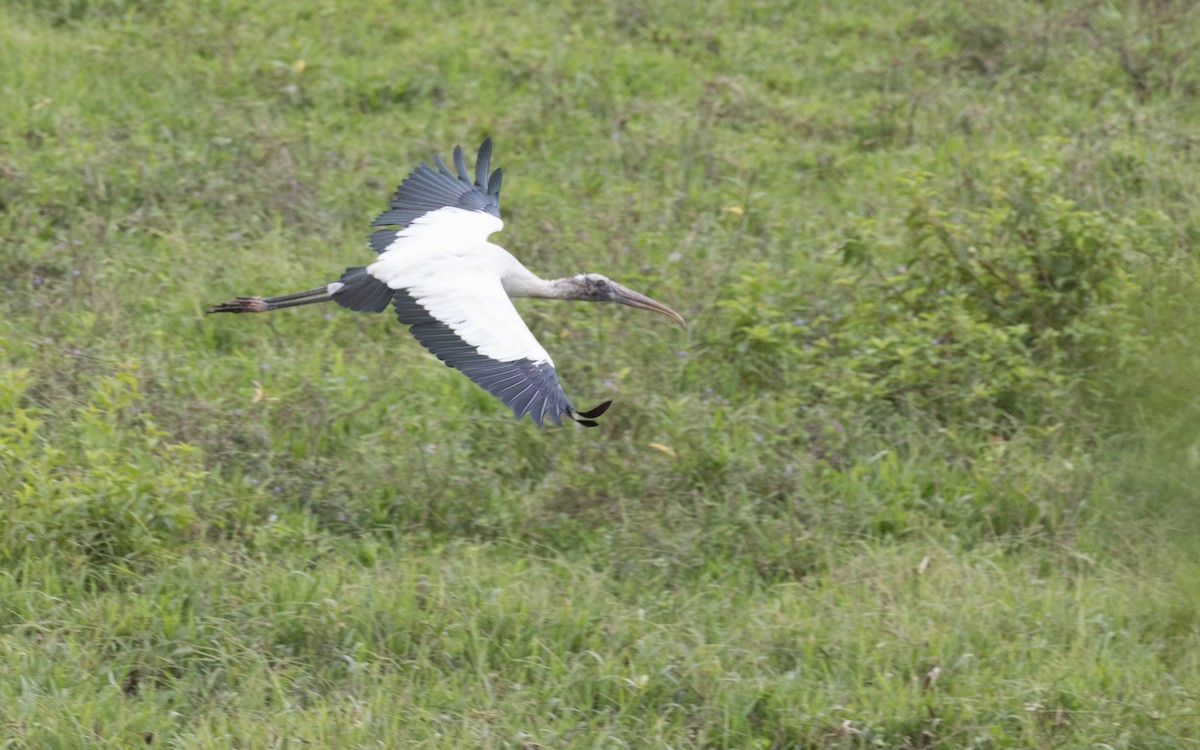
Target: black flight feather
pixel 596 411
pixel 482 162
pixel 427 189
pixel 519 384
pixel 461 164
pixel 362 292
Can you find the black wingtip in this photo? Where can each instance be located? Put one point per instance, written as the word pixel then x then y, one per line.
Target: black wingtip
pixel 483 162
pixel 588 418
pixel 595 411
pixel 460 164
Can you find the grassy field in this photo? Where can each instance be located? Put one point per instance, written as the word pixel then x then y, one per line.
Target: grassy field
pixel 922 471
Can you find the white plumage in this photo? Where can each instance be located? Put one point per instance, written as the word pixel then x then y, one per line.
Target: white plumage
pixel 453 287
pixel 445 263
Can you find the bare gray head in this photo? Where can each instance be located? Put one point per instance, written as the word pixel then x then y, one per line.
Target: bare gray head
pixel 594 287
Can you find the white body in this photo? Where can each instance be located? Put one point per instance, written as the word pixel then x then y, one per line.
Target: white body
pixel 444 261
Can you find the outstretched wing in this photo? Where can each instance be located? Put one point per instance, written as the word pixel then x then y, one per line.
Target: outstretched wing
pixel 444 282
pixel 469 323
pixel 426 190
pixel 441 275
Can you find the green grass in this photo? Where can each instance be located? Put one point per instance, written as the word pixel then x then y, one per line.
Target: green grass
pixel 468 645
pixel 920 473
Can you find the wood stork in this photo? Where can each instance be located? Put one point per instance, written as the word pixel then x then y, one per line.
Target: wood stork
pixel 452 287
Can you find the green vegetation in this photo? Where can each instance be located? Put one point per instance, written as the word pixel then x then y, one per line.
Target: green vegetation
pixel 921 473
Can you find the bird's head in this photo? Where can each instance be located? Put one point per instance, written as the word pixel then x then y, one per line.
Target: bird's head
pixel 597 288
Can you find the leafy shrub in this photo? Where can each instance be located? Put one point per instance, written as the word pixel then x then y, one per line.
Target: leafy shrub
pixel 981 311
pixel 112 489
pixel 1030 261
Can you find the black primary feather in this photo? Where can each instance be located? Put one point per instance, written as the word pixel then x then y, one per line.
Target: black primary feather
pixel 525 386
pixel 461 164
pixel 427 189
pixel 482 162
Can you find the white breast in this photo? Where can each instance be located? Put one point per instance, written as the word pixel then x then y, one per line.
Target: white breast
pixel 445 263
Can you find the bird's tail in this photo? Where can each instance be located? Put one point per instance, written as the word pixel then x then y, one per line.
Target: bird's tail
pixel 263 304
pixel 355 290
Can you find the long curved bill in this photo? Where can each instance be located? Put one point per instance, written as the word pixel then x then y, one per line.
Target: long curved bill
pixel 627 296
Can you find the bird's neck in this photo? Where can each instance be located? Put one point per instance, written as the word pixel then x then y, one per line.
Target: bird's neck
pixel 529 284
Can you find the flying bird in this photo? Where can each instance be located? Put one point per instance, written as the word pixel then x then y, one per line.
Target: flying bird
pixel 454 289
